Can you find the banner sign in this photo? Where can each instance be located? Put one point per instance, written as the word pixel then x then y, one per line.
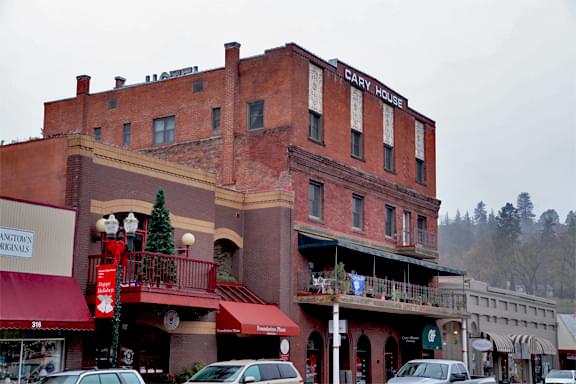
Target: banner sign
pixel 105 290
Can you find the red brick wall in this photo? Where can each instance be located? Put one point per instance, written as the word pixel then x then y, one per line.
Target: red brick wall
pixel 34 171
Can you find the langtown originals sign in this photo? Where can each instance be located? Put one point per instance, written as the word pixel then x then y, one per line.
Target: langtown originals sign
pixel 367 85
pixel 16 242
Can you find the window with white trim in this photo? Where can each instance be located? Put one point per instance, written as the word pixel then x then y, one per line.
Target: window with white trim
pixel 356 122
pixel 388 138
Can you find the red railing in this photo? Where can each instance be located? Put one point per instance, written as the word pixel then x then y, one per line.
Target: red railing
pixel 155 270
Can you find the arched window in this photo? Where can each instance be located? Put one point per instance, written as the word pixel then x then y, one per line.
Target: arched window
pixel 362 362
pixel 314 349
pixel 228 266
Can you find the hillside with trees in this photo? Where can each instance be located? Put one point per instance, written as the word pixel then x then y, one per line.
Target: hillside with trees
pixel 513 249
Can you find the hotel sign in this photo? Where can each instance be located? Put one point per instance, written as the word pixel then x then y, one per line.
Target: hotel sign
pixel 374 88
pixel 16 242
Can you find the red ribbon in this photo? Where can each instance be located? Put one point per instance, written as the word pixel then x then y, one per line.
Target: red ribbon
pixel 117 248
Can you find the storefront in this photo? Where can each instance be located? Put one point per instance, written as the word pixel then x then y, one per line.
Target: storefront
pixel 248 330
pixel 40 317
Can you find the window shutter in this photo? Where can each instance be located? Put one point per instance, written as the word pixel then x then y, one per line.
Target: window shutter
pixel 356 109
pixel 315 86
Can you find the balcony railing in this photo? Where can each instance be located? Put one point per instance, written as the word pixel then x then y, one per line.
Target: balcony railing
pixel 323 283
pixel 154 270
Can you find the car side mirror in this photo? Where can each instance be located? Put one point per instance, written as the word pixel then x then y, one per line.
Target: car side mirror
pixel 457 377
pixel 249 379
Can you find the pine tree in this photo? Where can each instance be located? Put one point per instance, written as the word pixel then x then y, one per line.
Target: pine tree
pixel 507 241
pixel 480 214
pixel 525 209
pixel 549 215
pixel 160 239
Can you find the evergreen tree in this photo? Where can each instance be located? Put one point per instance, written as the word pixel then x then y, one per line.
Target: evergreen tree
pixel 570 219
pixel 549 215
pixel 160 238
pixel 480 214
pixel 525 209
pixel 507 241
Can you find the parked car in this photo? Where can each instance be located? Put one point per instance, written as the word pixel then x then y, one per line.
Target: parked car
pixel 435 371
pixel 248 371
pixel 95 376
pixel 557 376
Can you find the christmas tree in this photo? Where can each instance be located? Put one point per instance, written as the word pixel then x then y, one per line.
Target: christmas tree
pixel 160 239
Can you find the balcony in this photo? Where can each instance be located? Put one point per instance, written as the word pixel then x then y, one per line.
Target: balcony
pixel 380 295
pixel 421 244
pixel 160 279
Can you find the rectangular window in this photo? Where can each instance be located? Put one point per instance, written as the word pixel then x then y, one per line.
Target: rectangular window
pixel 357 212
pixel 420 171
pixel 388 158
pixel 407 228
pixel 422 234
pixel 315 199
pixel 315 126
pixel 215 120
pixel 98 134
pixel 127 133
pixel 357 144
pixel 390 229
pixel 164 128
pixel 256 114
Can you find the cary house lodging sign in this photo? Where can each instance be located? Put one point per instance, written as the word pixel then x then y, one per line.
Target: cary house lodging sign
pixel 372 86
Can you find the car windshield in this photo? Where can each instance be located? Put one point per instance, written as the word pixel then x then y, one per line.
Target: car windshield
pixel 430 370
pixel 559 375
pixel 60 379
pixel 217 374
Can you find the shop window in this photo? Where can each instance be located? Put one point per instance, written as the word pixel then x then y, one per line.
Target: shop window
pixel 256 114
pixel 26 361
pixel 164 129
pixel 314 356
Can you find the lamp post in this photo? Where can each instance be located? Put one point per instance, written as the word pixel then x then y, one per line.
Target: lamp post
pixel 188 239
pixel 130 225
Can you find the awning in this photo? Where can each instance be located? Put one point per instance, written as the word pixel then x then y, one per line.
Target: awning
pixel 501 342
pixel 529 340
pixel 306 241
pixel 545 346
pixel 42 302
pixel 254 319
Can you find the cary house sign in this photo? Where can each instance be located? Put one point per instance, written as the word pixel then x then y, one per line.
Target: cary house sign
pixel 373 87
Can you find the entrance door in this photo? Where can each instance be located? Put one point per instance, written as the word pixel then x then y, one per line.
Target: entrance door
pixel 390 358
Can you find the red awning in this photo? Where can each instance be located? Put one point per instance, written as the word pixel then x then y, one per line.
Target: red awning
pixel 254 319
pixel 31 301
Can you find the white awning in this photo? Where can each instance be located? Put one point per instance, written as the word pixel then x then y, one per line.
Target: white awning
pixel 530 340
pixel 545 346
pixel 501 343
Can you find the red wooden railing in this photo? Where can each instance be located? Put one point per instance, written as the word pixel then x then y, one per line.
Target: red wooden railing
pixel 155 270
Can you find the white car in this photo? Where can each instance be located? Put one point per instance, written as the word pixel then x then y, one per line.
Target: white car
pixel 248 371
pixel 557 376
pixel 95 376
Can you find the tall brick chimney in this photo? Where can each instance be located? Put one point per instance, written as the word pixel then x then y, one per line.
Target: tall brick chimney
pixel 230 110
pixel 82 85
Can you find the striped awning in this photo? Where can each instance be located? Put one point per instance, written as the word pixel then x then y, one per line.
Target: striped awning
pixel 530 340
pixel 501 343
pixel 545 346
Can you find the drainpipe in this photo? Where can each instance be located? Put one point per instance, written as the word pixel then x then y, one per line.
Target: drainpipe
pixel 335 327
pixel 465 343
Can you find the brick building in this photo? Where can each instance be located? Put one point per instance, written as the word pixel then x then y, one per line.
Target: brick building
pixel 333 177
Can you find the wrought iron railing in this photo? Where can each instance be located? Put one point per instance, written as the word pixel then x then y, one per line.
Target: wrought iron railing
pixel 422 238
pixel 155 270
pixel 384 289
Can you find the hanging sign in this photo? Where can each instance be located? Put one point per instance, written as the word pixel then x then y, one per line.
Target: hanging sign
pixel 482 345
pixel 105 290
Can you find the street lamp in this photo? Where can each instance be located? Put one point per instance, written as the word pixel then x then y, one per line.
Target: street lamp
pixel 188 239
pixel 117 247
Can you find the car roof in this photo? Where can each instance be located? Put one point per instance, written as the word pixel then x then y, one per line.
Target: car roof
pixel 82 371
pixel 435 361
pixel 248 361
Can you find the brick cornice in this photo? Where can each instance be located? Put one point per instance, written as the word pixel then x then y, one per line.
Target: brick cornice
pixel 313 164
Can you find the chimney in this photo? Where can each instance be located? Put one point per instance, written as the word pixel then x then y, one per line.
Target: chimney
pixel 82 85
pixel 119 82
pixel 230 110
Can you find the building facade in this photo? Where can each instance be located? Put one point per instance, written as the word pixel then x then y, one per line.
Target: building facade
pixel 521 331
pixel 323 179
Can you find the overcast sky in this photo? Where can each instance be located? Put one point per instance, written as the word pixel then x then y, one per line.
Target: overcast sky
pixel 498 77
